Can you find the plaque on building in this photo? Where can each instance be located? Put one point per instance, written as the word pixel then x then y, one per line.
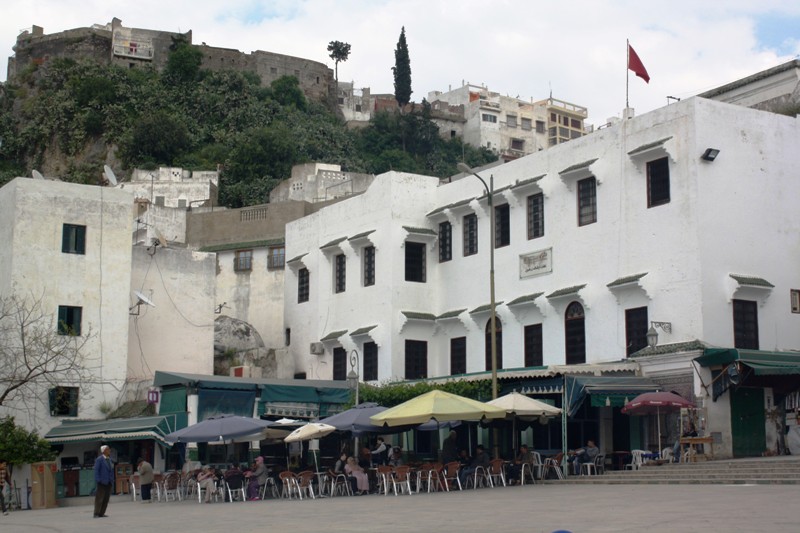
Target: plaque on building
pixel 536 263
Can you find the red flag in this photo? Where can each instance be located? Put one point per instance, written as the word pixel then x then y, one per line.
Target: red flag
pixel 635 64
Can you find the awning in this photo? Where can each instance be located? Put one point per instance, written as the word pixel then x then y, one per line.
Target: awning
pixel 763 363
pixel 605 390
pixel 149 427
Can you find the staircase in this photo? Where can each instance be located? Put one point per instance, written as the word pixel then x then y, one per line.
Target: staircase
pixel 782 470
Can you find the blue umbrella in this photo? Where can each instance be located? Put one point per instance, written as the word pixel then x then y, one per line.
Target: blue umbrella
pixel 219 429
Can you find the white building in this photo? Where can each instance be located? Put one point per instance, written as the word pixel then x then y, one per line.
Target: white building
pixel 684 216
pixel 175 187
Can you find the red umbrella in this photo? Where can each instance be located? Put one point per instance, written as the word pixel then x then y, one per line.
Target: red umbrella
pixel 654 403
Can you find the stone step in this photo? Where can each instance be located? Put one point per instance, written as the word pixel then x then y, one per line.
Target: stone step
pixel 677 481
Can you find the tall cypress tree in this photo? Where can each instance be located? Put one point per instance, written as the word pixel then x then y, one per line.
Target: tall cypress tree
pixel 402 71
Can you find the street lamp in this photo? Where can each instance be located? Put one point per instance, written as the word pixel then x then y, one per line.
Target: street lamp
pixel 463 167
pixel 352 382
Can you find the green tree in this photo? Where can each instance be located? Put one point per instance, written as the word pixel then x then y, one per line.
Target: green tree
pixel 19 446
pixel 183 64
pixel 287 92
pixel 402 71
pixel 159 138
pixel 340 51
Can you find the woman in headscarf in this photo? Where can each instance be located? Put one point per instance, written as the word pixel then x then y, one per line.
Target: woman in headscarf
pixel 257 478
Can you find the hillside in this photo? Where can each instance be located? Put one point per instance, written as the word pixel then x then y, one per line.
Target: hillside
pixel 69 118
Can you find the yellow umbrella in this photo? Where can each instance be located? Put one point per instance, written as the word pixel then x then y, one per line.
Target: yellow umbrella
pixel 439 405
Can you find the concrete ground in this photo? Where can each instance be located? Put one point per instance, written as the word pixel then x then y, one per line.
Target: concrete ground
pixel 539 509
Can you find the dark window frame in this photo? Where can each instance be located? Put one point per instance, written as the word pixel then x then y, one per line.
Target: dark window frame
pixel 535 212
pixel 587 201
pixel 73 239
pixel 502 225
pixel 534 345
pixel 445 242
pixel 64 401
pixel 370 351
pixel 368 258
pixel 416 359
pixel 458 356
pixel 745 324
pixel 636 326
pixel 243 261
pixel 470 234
pixel 339 364
pixel 498 327
pixel 339 273
pixel 575 334
pixel 69 320
pixel 303 285
pixel 276 258
pixel 415 262
pixel 658 186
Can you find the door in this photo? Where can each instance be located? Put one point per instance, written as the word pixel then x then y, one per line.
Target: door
pixel 747 422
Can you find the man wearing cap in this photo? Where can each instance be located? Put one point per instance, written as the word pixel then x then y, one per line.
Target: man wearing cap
pixel 103 477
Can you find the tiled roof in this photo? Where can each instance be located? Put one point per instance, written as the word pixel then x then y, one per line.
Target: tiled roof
pixel 450 314
pixel 484 308
pixel 625 280
pixel 361 235
pixel 414 315
pixel 528 298
pixel 333 243
pixel 333 335
pixel 243 245
pixel 363 331
pixel 752 281
pixel 648 146
pixel 579 166
pixel 566 292
pixel 420 231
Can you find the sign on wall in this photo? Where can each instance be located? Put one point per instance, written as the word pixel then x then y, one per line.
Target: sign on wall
pixel 536 263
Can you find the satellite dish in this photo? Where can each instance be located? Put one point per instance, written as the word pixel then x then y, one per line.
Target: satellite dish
pixel 109 175
pixel 37 175
pixel 161 239
pixel 143 299
pixel 733 374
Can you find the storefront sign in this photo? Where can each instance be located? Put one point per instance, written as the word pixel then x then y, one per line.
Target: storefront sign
pixel 536 263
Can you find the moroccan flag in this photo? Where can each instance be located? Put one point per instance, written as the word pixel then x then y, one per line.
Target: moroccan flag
pixel 635 64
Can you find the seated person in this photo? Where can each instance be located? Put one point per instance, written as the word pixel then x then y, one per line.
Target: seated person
pixel 583 455
pixel 339 469
pixel 481 460
pixel 234 476
pixel 396 458
pixel 354 470
pixel 365 459
pixel 515 469
pixel 257 478
pixel 206 480
pixel 689 431
pixel 463 458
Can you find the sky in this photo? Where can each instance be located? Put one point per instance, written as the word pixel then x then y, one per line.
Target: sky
pixel 524 48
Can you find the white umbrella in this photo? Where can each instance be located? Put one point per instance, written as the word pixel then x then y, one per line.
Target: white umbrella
pixel 525 407
pixel 312 430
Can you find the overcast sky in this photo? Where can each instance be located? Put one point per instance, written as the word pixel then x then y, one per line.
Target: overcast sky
pixel 520 48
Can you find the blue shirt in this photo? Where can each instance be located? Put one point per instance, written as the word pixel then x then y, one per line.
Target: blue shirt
pixel 103 471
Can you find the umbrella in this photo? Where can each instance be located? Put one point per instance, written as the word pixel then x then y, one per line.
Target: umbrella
pixel 656 403
pixel 312 430
pixel 518 405
pixel 356 419
pixel 439 405
pixel 219 428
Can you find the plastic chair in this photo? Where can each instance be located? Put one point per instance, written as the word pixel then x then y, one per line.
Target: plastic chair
pixel 290 488
pixel 271 487
pixel 480 478
pixel 234 486
pixel 636 460
pixel 402 479
pixel 496 472
pixel 339 484
pixel 451 474
pixel 592 468
pixel 384 478
pixel 553 464
pixel 430 476
pixel 135 486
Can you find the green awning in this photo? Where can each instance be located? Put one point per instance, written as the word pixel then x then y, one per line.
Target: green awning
pixel 762 363
pixel 611 390
pixel 119 429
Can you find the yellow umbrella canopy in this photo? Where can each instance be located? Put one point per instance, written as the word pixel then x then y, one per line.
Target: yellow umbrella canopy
pixel 439 405
pixel 523 406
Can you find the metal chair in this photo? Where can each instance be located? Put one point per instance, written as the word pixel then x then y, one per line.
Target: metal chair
pixel 171 486
pixel 304 486
pixel 289 485
pixel 270 487
pixel 553 464
pixel 384 478
pixel 339 484
pixel 496 472
pixel 451 474
pixel 430 476
pixel 401 479
pixel 479 478
pixel 135 486
pixel 235 487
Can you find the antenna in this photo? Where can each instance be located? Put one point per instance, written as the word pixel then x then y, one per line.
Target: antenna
pixel 109 175
pixel 141 299
pixel 37 175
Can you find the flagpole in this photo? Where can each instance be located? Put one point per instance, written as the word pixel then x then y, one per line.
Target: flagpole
pixel 627 70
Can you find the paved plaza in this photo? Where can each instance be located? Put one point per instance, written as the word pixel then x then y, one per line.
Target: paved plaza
pixel 539 509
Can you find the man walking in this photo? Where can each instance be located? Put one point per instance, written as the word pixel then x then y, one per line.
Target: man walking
pixel 103 477
pixel 3 478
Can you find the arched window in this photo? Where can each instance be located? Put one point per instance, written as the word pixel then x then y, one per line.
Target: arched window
pixel 498 328
pixel 575 334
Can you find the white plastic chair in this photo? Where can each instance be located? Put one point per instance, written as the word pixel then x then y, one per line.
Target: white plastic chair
pixel 496 472
pixel 636 460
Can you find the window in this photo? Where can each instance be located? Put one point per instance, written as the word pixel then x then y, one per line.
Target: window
pixel 358 108
pixel 243 260
pixel 416 359
pixel 339 364
pixel 370 361
pixel 636 325
pixel 794 296
pixel 498 328
pixel 273 70
pixel 73 239
pixel 458 356
pixel 340 265
pixel 470 235
pixel 534 349
pixel 657 182
pixel 587 201
pixel 182 204
pixel 369 266
pixel 745 324
pixel 415 262
pixel 511 121
pixel 517 144
pixel 526 124
pixel 576 124
pixel 502 226
pixel 69 320
pixel 445 242
pixel 302 285
pixel 160 201
pixel 575 334
pixel 63 401
pixel 277 257
pixel 535 216
pixel 486 117
pixel 540 126
pixel 287 336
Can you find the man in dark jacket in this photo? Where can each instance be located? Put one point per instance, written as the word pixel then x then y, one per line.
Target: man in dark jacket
pixel 480 460
pixel 103 477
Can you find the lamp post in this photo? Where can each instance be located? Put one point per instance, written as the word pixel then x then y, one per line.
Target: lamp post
pixel 352 382
pixel 463 167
